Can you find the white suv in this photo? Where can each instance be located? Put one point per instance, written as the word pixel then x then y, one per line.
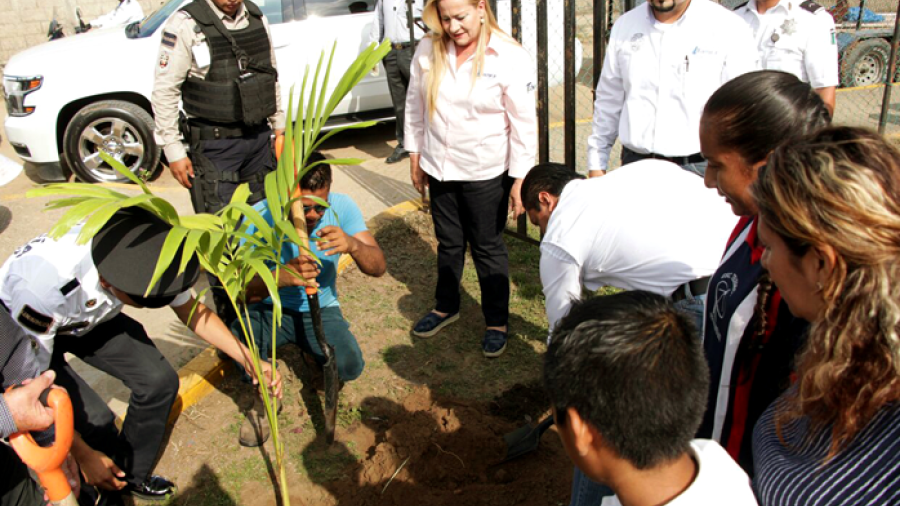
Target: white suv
pixel 69 98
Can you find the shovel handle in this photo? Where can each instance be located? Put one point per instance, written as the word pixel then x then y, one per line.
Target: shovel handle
pixel 47 461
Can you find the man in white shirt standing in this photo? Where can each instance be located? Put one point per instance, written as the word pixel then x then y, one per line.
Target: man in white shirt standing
pixel 622 232
pixel 663 61
pixel 392 22
pixel 127 12
pixel 797 37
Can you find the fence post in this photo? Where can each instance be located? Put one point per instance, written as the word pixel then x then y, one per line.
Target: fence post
pixel 543 84
pixel 892 69
pixel 599 40
pixel 569 21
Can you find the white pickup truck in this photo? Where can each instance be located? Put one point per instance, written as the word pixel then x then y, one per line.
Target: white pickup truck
pixel 69 98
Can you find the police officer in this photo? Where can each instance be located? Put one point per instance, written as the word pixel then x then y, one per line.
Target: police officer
pixel 68 297
pixel 392 22
pixel 217 57
pixel 797 37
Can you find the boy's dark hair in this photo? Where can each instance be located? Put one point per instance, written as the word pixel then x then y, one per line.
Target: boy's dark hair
pixel 632 366
pixel 317 177
pixel 545 177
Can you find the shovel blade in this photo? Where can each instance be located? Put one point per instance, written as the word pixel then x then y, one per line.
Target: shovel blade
pixel 332 387
pixel 521 441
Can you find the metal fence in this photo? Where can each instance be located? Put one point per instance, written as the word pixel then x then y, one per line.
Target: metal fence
pixel 569 47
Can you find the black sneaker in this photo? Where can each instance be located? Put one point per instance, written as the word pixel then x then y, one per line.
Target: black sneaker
pixel 398 154
pixel 154 488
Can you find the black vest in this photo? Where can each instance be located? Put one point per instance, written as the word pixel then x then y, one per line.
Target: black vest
pixel 218 97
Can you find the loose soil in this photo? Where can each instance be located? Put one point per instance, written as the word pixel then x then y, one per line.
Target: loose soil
pixel 423 425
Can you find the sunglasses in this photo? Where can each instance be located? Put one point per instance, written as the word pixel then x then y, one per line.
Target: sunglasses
pixel 319 208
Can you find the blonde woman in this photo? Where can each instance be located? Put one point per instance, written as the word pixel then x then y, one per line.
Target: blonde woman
pixel 471 134
pixel 829 209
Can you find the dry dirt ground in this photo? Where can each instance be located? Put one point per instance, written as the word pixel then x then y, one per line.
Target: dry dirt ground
pixel 423 425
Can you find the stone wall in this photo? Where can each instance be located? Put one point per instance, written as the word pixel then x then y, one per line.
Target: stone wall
pixel 24 23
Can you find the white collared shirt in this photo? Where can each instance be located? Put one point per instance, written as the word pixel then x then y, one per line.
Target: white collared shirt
pixel 475 134
pixel 719 480
pixel 391 21
pixel 52 288
pixel 792 38
pixel 625 230
pixel 657 77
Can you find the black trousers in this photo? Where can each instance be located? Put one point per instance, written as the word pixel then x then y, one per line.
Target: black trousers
pixel 237 160
pixel 396 68
pixel 120 347
pixel 472 213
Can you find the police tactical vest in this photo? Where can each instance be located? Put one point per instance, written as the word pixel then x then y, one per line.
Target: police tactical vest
pixel 233 92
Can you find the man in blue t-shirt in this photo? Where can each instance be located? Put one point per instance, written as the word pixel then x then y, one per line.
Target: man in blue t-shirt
pixel 334 230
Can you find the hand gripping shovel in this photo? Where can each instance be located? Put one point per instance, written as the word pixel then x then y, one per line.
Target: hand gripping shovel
pixel 525 439
pixel 47 461
pixel 330 367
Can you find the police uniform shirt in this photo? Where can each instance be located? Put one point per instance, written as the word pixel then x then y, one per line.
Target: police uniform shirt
pixel 795 37
pixel 391 21
pixel 52 288
pixel 651 251
pixel 184 52
pixel 657 77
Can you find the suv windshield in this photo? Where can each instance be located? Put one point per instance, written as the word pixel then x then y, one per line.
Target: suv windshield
pixel 152 22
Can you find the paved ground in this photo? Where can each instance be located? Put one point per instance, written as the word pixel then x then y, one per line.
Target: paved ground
pixel 374 185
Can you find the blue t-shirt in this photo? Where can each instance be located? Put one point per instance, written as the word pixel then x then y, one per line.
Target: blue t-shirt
pixel 344 213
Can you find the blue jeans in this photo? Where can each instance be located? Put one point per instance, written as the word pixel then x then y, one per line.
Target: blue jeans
pixel 297 328
pixel 587 492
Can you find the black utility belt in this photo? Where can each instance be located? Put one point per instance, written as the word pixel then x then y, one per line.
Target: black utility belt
pixel 205 132
pixel 677 160
pixel 696 288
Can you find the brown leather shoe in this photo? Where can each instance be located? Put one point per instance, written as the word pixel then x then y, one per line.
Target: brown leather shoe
pixel 255 429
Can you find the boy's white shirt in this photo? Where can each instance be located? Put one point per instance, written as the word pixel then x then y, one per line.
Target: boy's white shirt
pixel 720 480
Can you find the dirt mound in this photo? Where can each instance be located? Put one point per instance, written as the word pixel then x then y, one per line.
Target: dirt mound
pixel 441 452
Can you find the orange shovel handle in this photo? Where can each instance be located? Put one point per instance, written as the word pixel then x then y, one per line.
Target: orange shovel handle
pixel 47 462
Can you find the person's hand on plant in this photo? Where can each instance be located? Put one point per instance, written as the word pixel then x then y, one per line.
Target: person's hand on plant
pixel 334 241
pixel 305 266
pixel 274 383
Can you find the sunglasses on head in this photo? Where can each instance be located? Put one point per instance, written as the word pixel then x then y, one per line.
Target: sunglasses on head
pixel 319 208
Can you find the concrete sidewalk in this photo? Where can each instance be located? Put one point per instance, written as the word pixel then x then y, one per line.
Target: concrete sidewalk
pixel 374 185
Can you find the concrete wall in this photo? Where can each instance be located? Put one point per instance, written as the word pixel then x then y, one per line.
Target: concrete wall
pixel 24 22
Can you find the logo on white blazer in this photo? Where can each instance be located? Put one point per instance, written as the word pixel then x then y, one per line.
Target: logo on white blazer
pixel 637 40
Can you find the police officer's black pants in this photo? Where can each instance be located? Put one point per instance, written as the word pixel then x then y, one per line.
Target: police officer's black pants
pixel 120 347
pixel 246 156
pixel 396 69
pixel 472 213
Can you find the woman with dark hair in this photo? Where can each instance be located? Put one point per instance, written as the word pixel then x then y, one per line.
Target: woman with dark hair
pixel 829 208
pixel 749 335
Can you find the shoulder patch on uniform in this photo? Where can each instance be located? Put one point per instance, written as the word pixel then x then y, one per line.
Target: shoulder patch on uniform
pixel 33 320
pixel 811 6
pixel 67 288
pixel 169 39
pixel 742 5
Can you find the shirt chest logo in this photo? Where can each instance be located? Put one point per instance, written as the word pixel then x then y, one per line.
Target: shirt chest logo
pixel 637 40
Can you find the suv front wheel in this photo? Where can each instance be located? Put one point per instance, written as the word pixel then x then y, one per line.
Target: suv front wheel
pixel 122 129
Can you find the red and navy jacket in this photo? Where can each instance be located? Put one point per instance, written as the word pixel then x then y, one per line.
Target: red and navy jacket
pixel 747 372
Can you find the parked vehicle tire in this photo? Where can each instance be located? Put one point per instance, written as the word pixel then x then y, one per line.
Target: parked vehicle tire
pixel 122 129
pixel 865 62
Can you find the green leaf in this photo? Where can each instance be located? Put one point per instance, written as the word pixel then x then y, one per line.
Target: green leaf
pixel 69 202
pixel 203 221
pixel 334 131
pixel 191 242
pixel 75 189
pixel 75 215
pixel 123 170
pixel 103 214
pixel 166 255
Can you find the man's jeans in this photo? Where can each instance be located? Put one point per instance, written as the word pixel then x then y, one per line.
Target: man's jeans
pixel 587 492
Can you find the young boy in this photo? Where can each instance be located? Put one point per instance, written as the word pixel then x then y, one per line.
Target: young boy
pixel 628 383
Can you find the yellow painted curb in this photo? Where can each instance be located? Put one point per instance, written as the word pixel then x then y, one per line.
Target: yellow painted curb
pixel 201 375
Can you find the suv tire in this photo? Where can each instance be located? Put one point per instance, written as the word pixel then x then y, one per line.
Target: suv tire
pixel 123 129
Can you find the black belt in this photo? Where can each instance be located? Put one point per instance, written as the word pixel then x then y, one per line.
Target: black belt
pixel 677 160
pixel 400 45
pixel 696 288
pixel 204 132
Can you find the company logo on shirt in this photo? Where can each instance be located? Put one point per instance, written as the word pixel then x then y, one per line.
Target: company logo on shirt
pixel 725 287
pixel 637 40
pixel 700 51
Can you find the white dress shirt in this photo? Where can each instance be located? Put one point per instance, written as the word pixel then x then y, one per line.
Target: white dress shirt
pixel 795 37
pixel 645 226
pixel 475 134
pixel 127 12
pixel 719 480
pixel 391 21
pixel 657 77
pixel 53 288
